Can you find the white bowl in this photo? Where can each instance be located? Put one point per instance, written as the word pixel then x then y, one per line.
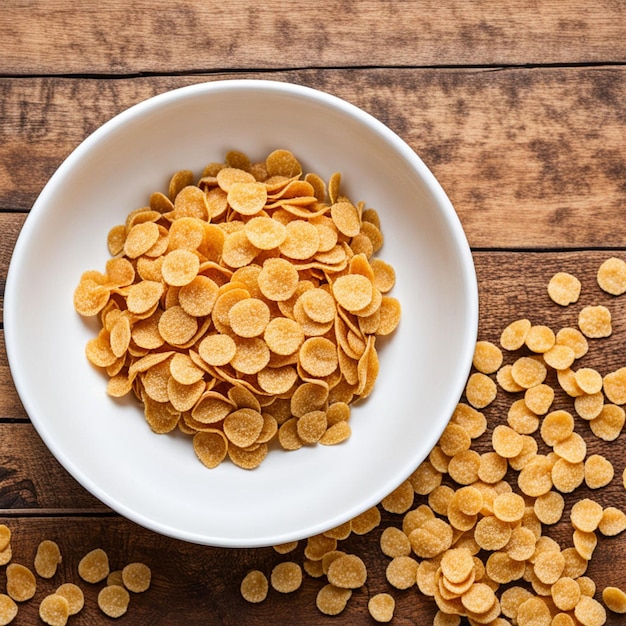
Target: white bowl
pixel 156 480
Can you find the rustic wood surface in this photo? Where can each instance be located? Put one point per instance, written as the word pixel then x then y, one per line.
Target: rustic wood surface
pixel 518 109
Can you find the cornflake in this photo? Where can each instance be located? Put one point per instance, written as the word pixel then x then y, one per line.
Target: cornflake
pixel 549 507
pixel 590 612
pixel 595 321
pixel 609 422
pixel 253 277
pixel 540 339
pixel 381 607
pixel 21 582
pixel 136 577
pixel 394 543
pixel 332 600
pixel 487 357
pixel 615 599
pixel 528 372
pixel 8 609
pixel 113 600
pixel 598 471
pixel 54 610
pixel 401 572
pixel 480 390
pixel 539 398
pixel 347 572
pixel 47 558
pixel 564 288
pixel 74 596
pixel 94 566
pixel 5 537
pixel 286 577
pixel 614 386
pixel 566 593
pixel 613 522
pixel 612 276
pixel 514 335
pixel 586 515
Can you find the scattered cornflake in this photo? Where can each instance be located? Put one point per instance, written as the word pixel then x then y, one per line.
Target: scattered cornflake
pixel 612 276
pixel 557 426
pixel 613 522
pixel 286 577
pixel 47 558
pixel 113 600
pixel 401 572
pixel 381 607
pixel 475 543
pixel 595 321
pixel 6 555
pixel 136 577
pixel 74 596
pixel 614 386
pixel 481 390
pixel 94 566
pixel 487 357
pixel 286 548
pixel 254 586
pixel 549 507
pixel 566 593
pixel 586 515
pixel 332 600
pixel 589 612
pixel 54 610
pixel 528 372
pixel 394 543
pixel 514 335
pixel 8 609
pixel 615 599
pixel 347 572
pixel 599 471
pixel 564 288
pixel 400 499
pixel 21 582
pixel 540 338
pixel 5 537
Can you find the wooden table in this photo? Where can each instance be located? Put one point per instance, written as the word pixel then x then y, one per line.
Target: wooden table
pixel 518 109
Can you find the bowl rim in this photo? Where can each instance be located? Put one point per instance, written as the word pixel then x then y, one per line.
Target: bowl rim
pixel 165 99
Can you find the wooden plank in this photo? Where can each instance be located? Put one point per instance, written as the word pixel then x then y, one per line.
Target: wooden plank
pixel 115 37
pixel 32 479
pixel 202 583
pixel 530 158
pixel 197 582
pixel 10 404
pixel 10 226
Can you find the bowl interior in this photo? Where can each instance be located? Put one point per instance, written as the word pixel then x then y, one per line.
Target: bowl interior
pixel 157 480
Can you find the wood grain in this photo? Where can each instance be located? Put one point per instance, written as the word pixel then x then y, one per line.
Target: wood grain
pixel 10 226
pixel 10 404
pixel 33 480
pixel 116 37
pixel 531 158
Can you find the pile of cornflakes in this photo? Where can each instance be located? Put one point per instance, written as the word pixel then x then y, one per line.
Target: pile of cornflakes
pixel 244 308
pixel 473 527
